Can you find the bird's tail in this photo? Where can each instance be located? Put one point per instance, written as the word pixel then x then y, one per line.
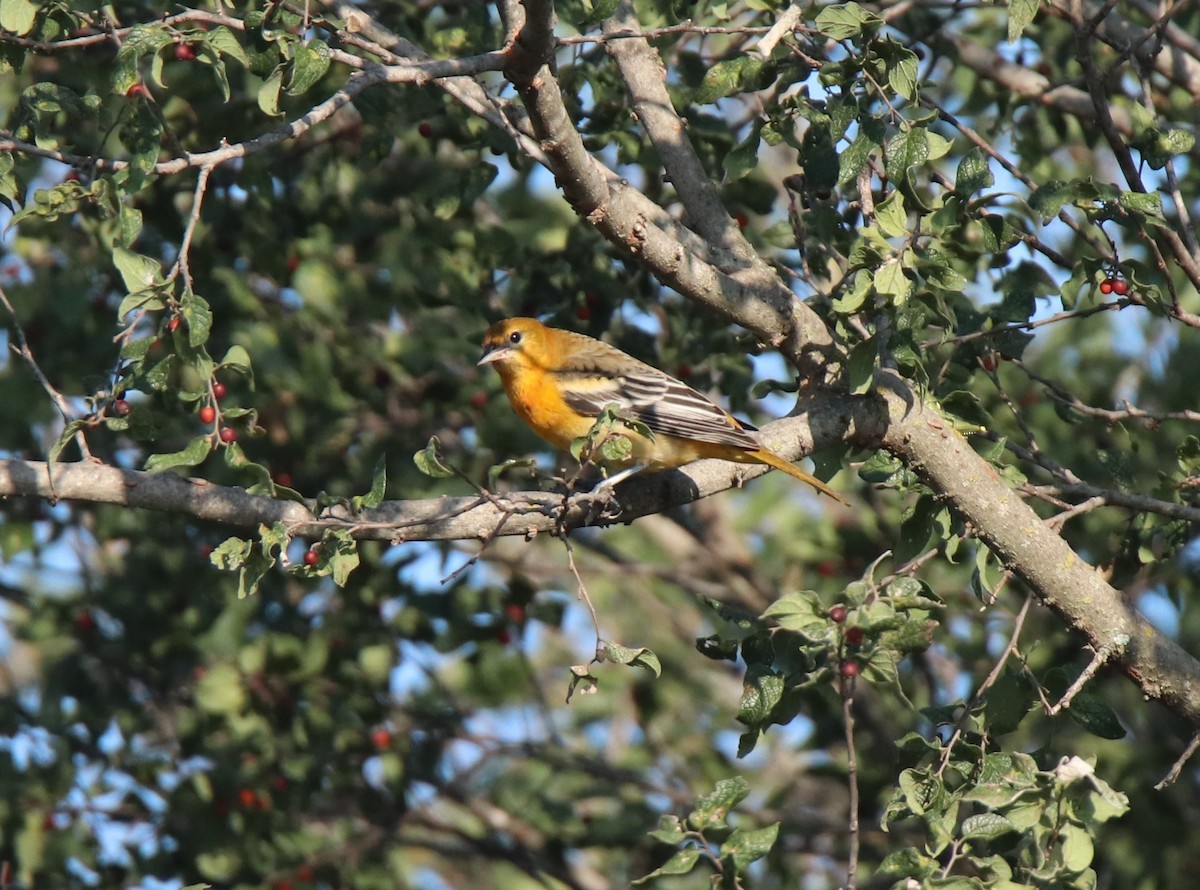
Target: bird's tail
pixel 774 460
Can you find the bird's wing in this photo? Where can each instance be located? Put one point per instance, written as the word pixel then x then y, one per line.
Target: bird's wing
pixel 646 395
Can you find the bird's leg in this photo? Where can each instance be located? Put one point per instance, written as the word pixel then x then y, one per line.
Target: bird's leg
pixel 603 496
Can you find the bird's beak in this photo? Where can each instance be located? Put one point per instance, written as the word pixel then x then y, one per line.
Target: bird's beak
pixel 494 354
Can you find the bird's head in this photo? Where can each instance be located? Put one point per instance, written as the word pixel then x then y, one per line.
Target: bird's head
pixel 511 341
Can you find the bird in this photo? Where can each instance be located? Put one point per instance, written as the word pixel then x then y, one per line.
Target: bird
pixel 559 382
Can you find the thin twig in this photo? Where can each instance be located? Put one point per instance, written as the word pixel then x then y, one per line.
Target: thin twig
pixel 22 349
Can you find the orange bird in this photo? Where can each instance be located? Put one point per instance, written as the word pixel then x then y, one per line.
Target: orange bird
pixel 559 382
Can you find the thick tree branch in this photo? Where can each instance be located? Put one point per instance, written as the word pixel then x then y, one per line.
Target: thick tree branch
pixel 437 519
pixel 1038 555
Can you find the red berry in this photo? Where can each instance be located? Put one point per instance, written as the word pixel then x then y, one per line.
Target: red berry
pixel 228 435
pixel 503 636
pixel 583 313
pixel 219 389
pixel 247 798
pixel 827 568
pixel 742 220
pixel 1106 286
pixel 425 130
pixel 284 478
pixel 280 783
pixel 72 176
pixel 85 623
pixel 381 739
pixel 184 52
pixel 282 885
pixel 988 362
pixel 854 635
pixel 515 613
pixel 121 408
pixel 1120 287
pixel 592 298
pixel 849 669
pixel 304 872
pixel 683 372
pixel 208 414
pixel 221 806
pixel 311 557
pixel 173 324
pixel 479 400
pixel 138 89
pixel 837 614
pixel 293 263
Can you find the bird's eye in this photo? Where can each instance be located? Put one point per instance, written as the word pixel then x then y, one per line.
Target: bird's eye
pixel 514 337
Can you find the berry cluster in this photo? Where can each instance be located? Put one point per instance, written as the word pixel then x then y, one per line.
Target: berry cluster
pixel 1115 283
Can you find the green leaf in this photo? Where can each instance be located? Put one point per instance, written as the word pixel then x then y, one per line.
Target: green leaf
pixel 679 864
pixel 907 149
pixel 744 847
pixel 223 41
pixel 891 216
pixel 744 157
pixel 199 319
pixel 712 809
pixel 860 369
pixel 669 831
pixel 139 273
pixel 374 497
pixel 268 93
pixel 986 827
pixel 1093 714
pixel 195 453
pixel 760 694
pixel 642 657
pixel 891 282
pixel 801 613
pixel 729 77
pixel 309 64
pixel 1020 14
pixel 220 690
pixel 236 358
pixel 902 72
pixel 1146 203
pixel 974 173
pixel 429 461
pixel 18 16
pixel 846 20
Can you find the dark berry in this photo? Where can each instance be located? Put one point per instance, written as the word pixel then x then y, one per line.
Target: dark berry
pixel 425 130
pixel 311 557
pixel 837 614
pixel 479 400
pixel 208 414
pixel 854 635
pixel 228 435
pixel 503 636
pixel 988 362
pixel 583 313
pixel 121 408
pixel 742 220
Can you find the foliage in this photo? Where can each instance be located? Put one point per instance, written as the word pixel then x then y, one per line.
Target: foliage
pixel 242 249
